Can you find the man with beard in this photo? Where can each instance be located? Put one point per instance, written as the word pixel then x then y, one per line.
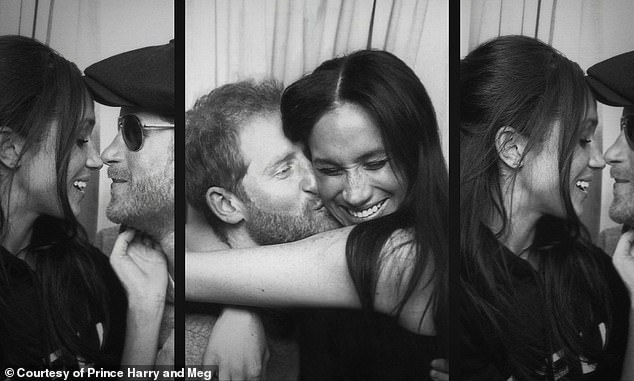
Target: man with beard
pixel 254 187
pixel 141 166
pixel 612 82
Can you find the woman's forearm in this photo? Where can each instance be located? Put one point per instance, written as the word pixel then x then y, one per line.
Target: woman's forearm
pixel 627 373
pixel 142 335
pixel 311 272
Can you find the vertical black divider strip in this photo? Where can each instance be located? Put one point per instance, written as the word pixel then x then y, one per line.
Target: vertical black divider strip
pixel 179 185
pixel 454 190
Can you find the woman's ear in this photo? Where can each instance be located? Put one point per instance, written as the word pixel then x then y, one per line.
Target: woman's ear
pixel 510 146
pixel 11 145
pixel 225 205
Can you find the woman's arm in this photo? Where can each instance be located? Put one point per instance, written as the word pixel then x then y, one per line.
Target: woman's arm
pixel 309 273
pixel 623 260
pixel 142 269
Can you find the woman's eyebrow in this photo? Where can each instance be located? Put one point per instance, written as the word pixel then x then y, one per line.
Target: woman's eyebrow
pixel 88 122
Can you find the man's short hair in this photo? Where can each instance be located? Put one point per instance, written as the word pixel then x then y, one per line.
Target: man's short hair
pixel 212 144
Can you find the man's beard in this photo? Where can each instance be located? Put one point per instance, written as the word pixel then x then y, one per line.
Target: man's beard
pixel 622 210
pixel 269 228
pixel 148 204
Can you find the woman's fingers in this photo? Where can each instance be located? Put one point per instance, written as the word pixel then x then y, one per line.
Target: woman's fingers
pixel 623 259
pixel 120 247
pixel 439 370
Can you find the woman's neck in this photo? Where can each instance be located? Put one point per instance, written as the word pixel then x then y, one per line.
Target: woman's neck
pixel 18 223
pixel 19 230
pixel 521 222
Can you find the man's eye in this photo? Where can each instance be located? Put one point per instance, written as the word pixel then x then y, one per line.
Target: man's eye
pixel 283 172
pixel 585 141
pixel 82 141
pixel 374 165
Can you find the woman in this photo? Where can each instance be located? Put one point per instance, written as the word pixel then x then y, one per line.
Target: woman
pixel 372 136
pixel 539 300
pixel 61 306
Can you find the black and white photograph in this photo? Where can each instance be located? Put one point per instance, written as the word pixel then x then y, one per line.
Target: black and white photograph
pixel 86 122
pixel 316 180
pixel 299 190
pixel 546 171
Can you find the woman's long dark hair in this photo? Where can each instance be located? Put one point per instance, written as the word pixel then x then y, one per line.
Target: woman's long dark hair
pixel 40 87
pixel 391 93
pixel 521 82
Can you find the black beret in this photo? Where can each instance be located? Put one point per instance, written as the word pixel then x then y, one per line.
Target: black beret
pixel 142 78
pixel 612 80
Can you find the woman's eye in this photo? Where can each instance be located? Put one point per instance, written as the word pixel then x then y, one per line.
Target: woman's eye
pixel 585 141
pixel 82 141
pixel 329 171
pixel 374 165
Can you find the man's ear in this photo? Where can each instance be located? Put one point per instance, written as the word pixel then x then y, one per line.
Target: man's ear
pixel 225 205
pixel 11 145
pixel 510 146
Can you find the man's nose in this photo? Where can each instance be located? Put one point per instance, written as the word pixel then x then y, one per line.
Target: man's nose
pixel 617 150
pixel 309 181
pixel 114 151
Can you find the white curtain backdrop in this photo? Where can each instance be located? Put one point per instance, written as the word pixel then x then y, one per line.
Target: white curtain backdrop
pixel 230 40
pixel 586 31
pixel 84 32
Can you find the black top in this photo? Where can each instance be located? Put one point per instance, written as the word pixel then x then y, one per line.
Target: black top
pixel 23 298
pixel 356 345
pixel 482 356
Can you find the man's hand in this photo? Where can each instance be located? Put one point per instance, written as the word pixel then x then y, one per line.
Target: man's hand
pixel 439 370
pixel 623 259
pixel 142 268
pixel 238 346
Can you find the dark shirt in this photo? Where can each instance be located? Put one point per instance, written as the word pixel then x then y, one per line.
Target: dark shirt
pixel 25 340
pixel 354 345
pixel 482 356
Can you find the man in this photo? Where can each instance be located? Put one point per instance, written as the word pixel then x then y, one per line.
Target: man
pixel 612 82
pixel 253 187
pixel 141 167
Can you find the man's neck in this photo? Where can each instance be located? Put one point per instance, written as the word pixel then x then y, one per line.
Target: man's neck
pixel 201 238
pixel 163 233
pixel 167 244
pixel 239 237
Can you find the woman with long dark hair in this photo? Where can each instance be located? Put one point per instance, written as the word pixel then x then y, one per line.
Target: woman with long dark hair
pixel 371 132
pixel 58 294
pixel 539 300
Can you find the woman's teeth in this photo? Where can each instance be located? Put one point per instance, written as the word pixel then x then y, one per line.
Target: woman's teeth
pixel 80 185
pixel 583 185
pixel 367 212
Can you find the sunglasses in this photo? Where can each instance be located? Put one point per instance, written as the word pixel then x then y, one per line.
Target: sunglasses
pixel 627 126
pixel 132 128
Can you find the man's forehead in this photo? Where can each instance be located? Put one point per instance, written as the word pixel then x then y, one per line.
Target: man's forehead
pixel 262 141
pixel 144 115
